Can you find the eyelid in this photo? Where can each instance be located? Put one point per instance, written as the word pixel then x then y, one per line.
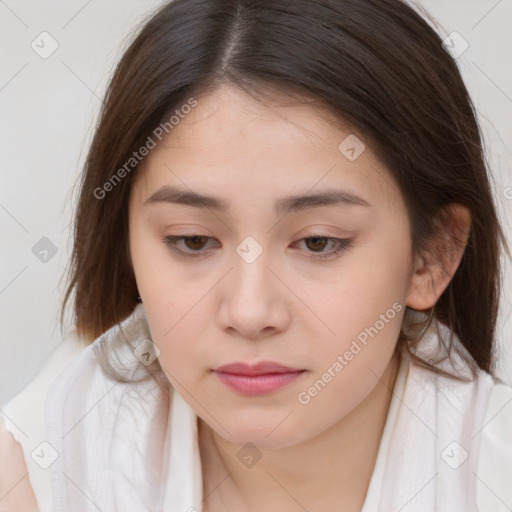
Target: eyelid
pixel 171 242
pixel 341 244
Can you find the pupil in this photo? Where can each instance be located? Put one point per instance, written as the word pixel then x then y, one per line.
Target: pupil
pixel 318 238
pixel 196 240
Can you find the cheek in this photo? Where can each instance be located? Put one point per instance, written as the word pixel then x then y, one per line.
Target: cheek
pixel 169 300
pixel 366 317
pixel 365 304
pixel 378 277
pixel 159 280
pixel 182 355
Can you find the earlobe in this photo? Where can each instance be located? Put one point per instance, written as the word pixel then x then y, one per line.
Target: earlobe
pixel 434 271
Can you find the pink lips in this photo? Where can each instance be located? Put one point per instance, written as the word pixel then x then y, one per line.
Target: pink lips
pixel 257 379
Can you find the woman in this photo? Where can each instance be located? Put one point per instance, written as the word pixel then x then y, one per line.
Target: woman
pixel 286 273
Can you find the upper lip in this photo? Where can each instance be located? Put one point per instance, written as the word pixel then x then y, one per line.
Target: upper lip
pixel 260 368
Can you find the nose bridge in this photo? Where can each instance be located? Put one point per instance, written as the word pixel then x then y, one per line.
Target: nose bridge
pixel 251 277
pixel 251 299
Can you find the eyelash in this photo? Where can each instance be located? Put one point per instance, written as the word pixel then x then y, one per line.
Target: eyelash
pixel 340 245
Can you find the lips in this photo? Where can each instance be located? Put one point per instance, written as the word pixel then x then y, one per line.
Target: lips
pixel 257 379
pixel 261 368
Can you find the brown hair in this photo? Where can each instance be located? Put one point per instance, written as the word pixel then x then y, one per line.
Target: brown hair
pixel 377 64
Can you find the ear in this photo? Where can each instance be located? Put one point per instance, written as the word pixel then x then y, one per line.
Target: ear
pixel 434 269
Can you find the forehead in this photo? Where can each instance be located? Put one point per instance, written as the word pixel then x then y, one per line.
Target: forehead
pixel 234 146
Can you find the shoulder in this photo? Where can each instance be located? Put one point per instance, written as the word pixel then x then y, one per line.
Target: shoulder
pixel 494 491
pixel 16 493
pixel 22 429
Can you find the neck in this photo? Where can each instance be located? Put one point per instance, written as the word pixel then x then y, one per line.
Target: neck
pixel 331 471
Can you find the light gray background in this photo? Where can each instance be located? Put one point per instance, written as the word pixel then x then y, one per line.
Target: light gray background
pixel 48 109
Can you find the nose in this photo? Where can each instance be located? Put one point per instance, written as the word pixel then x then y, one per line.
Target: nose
pixel 255 304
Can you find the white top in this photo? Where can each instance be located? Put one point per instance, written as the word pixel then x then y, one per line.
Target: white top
pixel 446 444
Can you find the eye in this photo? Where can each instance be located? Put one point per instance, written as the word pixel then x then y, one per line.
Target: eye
pixel 194 242
pixel 195 245
pixel 319 242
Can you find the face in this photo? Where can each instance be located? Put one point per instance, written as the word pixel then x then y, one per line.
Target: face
pixel 319 286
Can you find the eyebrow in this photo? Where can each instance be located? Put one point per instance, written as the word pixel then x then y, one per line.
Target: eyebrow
pixel 176 195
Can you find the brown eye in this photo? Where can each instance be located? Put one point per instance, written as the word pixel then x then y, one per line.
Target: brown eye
pixel 316 243
pixel 195 242
pixel 191 246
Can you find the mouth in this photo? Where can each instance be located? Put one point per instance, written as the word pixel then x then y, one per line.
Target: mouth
pixel 258 379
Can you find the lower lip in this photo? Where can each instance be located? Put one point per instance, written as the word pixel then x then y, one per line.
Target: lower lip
pixel 257 384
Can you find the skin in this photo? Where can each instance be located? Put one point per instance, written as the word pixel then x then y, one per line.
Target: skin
pixel 288 305
pixel 15 490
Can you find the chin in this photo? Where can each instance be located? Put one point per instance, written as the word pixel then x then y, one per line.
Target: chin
pixel 263 433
